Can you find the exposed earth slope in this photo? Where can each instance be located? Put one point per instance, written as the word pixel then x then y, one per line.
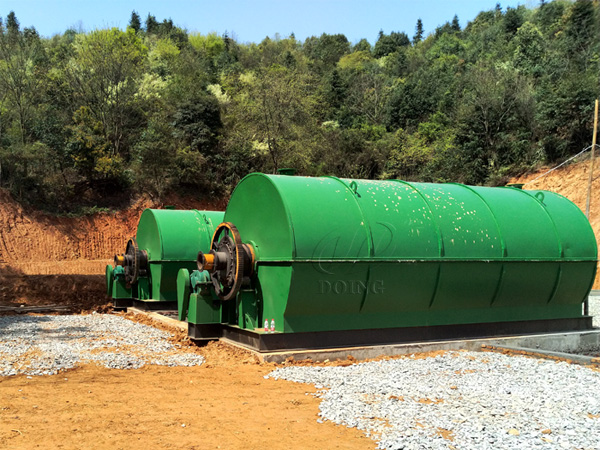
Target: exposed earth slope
pixel 52 260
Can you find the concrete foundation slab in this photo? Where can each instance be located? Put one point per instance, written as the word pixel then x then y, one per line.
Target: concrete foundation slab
pixel 558 345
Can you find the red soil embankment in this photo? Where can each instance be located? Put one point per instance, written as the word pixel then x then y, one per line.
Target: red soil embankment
pixel 46 259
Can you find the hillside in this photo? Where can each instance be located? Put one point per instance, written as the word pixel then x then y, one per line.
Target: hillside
pixel 476 102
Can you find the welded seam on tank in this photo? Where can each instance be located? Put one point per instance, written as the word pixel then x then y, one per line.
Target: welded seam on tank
pixel 160 237
pixel 438 230
pixel 369 233
pixel 556 285
pixel 441 249
pixel 272 179
pixel 502 242
pixel 541 204
pixel 587 222
pixel 560 246
pixel 203 227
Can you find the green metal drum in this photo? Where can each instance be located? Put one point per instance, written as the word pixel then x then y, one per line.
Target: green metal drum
pixel 335 254
pixel 166 241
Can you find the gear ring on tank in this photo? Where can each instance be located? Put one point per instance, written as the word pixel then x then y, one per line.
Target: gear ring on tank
pixel 136 262
pixel 231 245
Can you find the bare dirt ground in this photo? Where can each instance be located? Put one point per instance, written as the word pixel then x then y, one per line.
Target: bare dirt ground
pixel 225 403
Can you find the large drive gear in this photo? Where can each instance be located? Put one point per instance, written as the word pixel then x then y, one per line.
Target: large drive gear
pixel 134 262
pixel 229 261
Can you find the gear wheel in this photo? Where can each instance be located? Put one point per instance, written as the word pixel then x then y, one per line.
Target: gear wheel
pixel 231 261
pixel 135 262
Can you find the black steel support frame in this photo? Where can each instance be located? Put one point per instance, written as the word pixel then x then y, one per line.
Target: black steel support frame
pixel 269 342
pixel 154 305
pixel 122 303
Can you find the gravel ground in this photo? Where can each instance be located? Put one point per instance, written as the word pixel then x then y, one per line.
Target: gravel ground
pixel 45 345
pixel 462 400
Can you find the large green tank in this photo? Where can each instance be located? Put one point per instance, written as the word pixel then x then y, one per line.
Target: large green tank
pixel 166 241
pixel 326 254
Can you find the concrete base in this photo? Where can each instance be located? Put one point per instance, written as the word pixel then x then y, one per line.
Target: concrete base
pixel 574 342
pixel 545 354
pixel 566 343
pixel 561 345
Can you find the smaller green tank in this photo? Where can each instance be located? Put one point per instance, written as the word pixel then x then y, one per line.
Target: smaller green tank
pixel 166 241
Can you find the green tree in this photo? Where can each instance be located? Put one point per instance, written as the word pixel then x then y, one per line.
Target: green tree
pixel 336 90
pixel 418 32
pixel 91 151
pixel 12 26
pixel 275 109
pixel 513 19
pixel 152 26
pixel 550 17
pixel 455 25
pixel 362 46
pixel 154 155
pixel 198 123
pixel 387 44
pixel 135 22
pixel 425 90
pixel 366 96
pixel 564 109
pixel 530 50
pixel 105 74
pixel 495 120
pixel 21 72
pixel 325 51
pixel 582 32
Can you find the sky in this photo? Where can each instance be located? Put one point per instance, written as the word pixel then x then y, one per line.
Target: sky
pixel 253 20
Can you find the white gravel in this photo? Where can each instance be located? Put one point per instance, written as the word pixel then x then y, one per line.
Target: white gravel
pixel 477 400
pixel 46 345
pixel 462 400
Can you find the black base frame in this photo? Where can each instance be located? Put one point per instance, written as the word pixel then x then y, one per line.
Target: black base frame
pixel 269 342
pixel 154 305
pixel 122 303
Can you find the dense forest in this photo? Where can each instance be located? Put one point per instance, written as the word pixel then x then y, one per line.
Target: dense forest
pixel 90 117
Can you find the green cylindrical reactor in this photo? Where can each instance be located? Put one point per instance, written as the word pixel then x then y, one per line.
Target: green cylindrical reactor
pixel 166 241
pixel 337 254
pixel 172 239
